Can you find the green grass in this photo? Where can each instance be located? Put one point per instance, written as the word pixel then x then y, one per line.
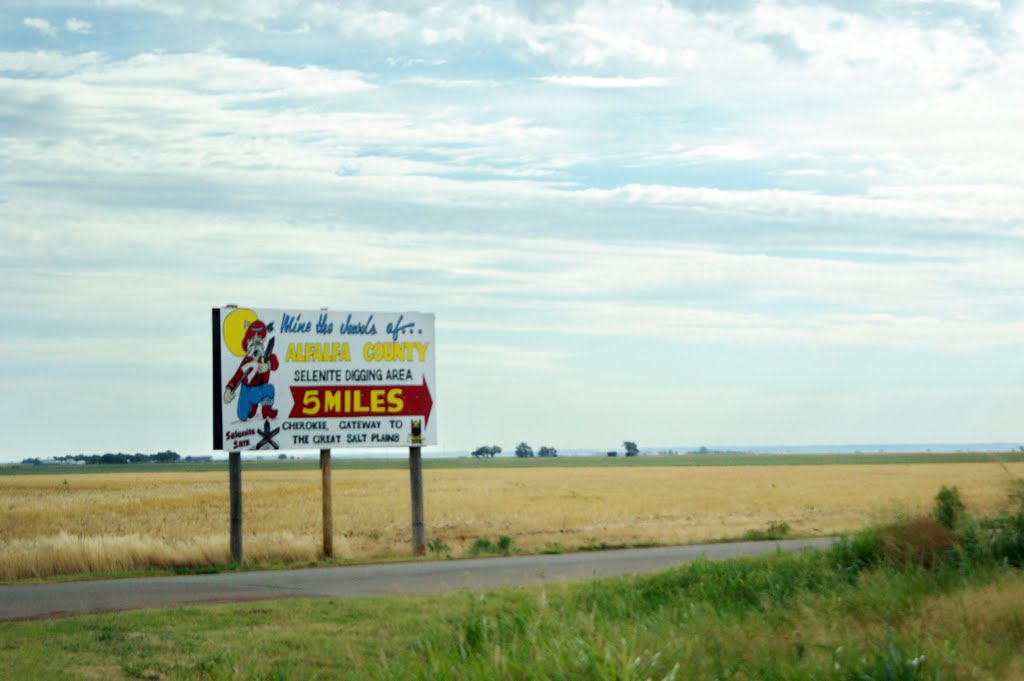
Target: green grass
pixel 342 462
pixel 775 530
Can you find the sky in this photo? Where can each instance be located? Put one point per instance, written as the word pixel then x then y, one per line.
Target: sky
pixel 678 223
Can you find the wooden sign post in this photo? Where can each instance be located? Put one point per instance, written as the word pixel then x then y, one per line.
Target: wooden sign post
pixel 235 483
pixel 328 516
pixel 419 542
pixel 419 545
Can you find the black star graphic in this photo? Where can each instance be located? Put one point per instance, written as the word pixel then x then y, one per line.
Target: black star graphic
pixel 267 435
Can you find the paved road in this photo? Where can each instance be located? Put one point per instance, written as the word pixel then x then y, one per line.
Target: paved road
pixel 420 577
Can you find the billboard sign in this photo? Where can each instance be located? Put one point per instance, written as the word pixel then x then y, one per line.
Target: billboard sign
pixel 302 379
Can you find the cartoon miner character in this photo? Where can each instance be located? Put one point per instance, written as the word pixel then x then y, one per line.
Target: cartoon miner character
pixel 253 374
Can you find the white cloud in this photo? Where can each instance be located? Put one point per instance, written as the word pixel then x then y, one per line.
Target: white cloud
pixel 735 151
pixel 433 36
pixel 452 83
pixel 612 82
pixel 71 351
pixel 351 19
pixel 42 25
pixel 46 62
pixel 881 202
pixel 201 117
pixel 592 45
pixel 215 73
pixel 1017 20
pixel 668 291
pixel 514 357
pixel 374 24
pixel 78 26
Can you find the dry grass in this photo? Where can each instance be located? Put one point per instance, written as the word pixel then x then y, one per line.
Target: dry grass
pixel 91 522
pixel 988 621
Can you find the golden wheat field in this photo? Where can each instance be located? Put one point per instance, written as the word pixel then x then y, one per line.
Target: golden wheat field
pixel 51 524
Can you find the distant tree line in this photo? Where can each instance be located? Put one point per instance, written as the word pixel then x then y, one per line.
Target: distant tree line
pixel 523 451
pixel 120 458
pixel 705 450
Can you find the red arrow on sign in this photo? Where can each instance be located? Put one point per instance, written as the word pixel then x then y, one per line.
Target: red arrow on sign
pixel 346 401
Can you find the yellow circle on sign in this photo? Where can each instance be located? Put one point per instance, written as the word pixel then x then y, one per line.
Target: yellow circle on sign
pixel 235 326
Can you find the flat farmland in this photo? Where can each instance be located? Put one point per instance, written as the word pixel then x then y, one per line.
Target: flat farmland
pixel 83 521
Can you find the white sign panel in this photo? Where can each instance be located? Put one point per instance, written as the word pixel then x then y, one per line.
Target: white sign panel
pixel 301 379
